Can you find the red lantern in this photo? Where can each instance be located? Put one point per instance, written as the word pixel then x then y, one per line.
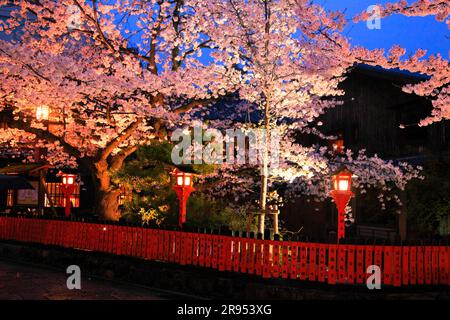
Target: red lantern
pixel 183 186
pixel 341 194
pixel 338 146
pixel 68 187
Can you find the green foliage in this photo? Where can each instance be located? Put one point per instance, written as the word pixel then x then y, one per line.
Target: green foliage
pixel 205 212
pixel 428 201
pixel 151 215
pixel 368 209
pixel 154 201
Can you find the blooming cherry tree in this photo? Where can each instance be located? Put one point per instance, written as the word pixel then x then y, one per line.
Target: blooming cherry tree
pixel 292 58
pixel 421 8
pixel 117 74
pixel 436 67
pixel 106 71
pixel 284 73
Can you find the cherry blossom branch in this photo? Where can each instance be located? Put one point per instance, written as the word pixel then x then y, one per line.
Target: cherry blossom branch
pixel 44 134
pixel 115 142
pixel 421 8
pixel 116 162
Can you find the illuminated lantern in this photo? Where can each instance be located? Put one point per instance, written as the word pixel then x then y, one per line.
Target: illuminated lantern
pixel 337 145
pixel 42 113
pixel 68 179
pixel 68 187
pixel 183 186
pixel 341 193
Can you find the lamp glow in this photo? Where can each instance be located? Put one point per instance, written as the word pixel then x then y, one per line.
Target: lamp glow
pixel 42 113
pixel 343 185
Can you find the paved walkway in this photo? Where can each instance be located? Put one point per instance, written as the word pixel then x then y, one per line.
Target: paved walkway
pixel 25 282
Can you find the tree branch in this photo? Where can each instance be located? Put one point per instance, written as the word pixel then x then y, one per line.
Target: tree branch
pixel 125 134
pixel 193 104
pixel 44 134
pixel 28 66
pixel 117 161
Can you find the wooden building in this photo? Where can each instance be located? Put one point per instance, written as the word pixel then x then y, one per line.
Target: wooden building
pixel 46 198
pixel 379 117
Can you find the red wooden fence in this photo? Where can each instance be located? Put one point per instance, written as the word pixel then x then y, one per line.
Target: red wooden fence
pixel 330 263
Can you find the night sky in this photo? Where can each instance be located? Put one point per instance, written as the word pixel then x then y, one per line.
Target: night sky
pixel 409 32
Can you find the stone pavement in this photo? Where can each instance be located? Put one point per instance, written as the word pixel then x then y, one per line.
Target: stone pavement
pixel 27 282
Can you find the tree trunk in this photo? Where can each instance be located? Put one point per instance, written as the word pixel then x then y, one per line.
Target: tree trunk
pixel 108 205
pixel 264 180
pixel 264 171
pixel 106 198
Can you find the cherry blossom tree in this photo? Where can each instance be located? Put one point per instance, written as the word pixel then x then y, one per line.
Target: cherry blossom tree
pixel 118 74
pixel 436 67
pixel 283 75
pixel 421 8
pixel 106 71
pixel 292 58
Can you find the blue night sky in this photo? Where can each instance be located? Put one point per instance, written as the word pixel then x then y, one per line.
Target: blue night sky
pixel 409 32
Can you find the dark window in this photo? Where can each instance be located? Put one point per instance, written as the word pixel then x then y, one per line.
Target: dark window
pixel 408 118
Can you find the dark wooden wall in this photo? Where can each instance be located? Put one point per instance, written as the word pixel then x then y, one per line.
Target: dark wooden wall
pixel 374 107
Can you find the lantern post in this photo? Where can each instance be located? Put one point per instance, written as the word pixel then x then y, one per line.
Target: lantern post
pixel 68 187
pixel 341 194
pixel 183 186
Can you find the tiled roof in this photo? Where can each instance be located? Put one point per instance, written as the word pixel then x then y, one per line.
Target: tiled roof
pixel 23 168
